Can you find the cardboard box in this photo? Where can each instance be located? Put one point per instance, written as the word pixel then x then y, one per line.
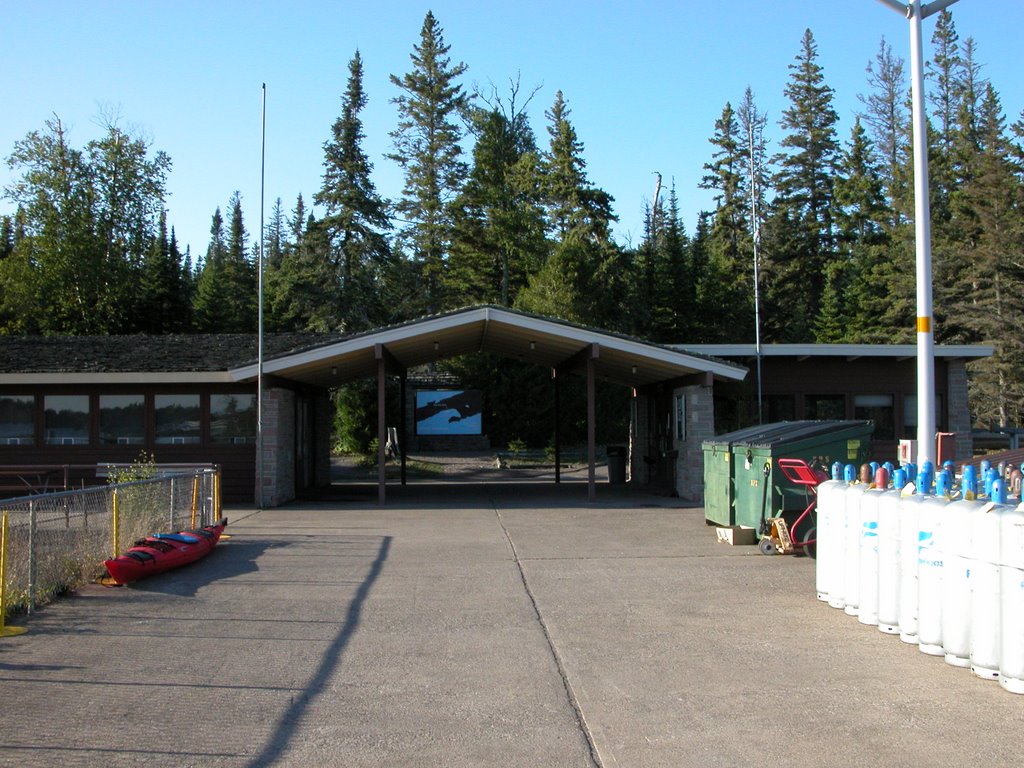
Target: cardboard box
pixel 736 534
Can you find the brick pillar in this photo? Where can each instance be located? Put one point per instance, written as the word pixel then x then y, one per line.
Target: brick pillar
pixel 958 407
pixel 700 426
pixel 278 446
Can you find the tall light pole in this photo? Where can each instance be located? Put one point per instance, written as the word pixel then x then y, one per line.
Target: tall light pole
pixel 916 11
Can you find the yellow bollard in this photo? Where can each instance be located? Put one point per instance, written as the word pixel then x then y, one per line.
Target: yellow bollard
pixel 116 526
pixel 195 499
pixel 5 631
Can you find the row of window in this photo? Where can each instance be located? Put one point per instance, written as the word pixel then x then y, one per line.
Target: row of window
pixel 122 419
pixel 879 408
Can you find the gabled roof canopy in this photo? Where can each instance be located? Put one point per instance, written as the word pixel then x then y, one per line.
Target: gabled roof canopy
pixel 533 339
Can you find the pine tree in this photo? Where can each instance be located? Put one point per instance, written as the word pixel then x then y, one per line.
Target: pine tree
pixel 886 114
pixel 427 147
pixel 211 292
pixel 802 222
pixel 355 214
pixel 499 227
pixel 993 305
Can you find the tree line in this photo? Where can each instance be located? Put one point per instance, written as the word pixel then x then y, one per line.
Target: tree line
pixel 492 213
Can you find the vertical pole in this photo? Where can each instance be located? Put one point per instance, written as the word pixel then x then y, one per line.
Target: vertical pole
pixel 591 432
pixel 32 556
pixel 259 303
pixel 195 498
pixel 3 572
pixel 922 227
pixel 401 424
pixel 381 429
pixel 558 426
pixel 115 522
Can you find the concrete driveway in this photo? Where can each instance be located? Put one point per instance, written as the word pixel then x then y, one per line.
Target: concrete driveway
pixel 472 625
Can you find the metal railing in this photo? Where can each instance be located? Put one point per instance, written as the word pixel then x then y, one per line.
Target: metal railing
pixel 58 541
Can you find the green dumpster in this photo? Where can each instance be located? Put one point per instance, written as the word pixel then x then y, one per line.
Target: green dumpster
pixel 719 482
pixel 762 491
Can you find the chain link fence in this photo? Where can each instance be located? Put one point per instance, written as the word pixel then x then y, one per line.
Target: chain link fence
pixel 58 541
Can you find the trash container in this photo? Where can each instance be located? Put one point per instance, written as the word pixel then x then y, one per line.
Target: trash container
pixel 616 464
pixel 719 483
pixel 762 491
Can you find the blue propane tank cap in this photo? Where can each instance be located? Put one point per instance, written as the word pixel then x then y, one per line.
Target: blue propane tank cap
pixel 943 482
pixel 998 492
pixel 969 481
pixel 899 479
pixel 849 473
pixel 837 470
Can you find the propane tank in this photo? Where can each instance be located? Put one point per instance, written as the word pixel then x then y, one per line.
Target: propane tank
pixel 851 549
pixel 828 510
pixel 955 544
pixel 910 500
pixel 1011 597
pixel 869 506
pixel 833 558
pixel 929 567
pixel 985 598
pixel 889 556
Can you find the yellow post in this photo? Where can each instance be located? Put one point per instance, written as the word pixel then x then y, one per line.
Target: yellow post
pixel 5 631
pixel 114 523
pixel 195 499
pixel 216 494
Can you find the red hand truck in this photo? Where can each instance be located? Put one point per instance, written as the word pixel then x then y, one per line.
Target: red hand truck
pixel 780 537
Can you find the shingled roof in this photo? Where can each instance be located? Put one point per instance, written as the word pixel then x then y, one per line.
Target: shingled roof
pixel 151 354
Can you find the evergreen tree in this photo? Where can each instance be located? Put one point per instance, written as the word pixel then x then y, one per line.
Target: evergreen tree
pixel 355 214
pixel 729 289
pixel 585 279
pixel 993 305
pixel 211 291
pixel 802 223
pixel 162 308
pixel 499 227
pixel 887 116
pixel 427 147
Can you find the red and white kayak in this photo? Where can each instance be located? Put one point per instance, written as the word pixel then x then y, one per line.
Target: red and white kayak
pixel 164 551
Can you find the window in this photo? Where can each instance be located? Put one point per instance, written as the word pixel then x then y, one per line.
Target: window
pixel 910 416
pixel 879 409
pixel 779 408
pixel 680 417
pixel 122 419
pixel 66 419
pixel 825 406
pixel 17 420
pixel 177 419
pixel 233 419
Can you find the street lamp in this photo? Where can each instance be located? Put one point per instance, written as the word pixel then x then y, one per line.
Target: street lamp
pixel 915 11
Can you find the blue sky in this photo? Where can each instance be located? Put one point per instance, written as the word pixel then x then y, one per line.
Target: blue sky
pixel 645 80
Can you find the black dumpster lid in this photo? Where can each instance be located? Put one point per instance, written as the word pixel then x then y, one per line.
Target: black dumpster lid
pixel 781 432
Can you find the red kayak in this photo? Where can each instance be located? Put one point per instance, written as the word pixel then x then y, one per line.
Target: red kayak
pixel 164 551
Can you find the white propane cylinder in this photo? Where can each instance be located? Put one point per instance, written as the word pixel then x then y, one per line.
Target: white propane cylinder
pixel 889 556
pixel 930 516
pixel 1011 571
pixel 827 511
pixel 955 543
pixel 833 558
pixel 868 612
pixel 985 599
pixel 910 501
pixel 851 541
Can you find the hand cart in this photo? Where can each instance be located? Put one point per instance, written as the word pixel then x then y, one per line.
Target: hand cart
pixel 779 537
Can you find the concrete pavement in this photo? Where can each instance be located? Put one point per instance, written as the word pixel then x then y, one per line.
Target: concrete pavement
pixel 471 625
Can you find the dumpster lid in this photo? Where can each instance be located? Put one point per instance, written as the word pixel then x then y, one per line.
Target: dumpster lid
pixel 807 430
pixel 782 432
